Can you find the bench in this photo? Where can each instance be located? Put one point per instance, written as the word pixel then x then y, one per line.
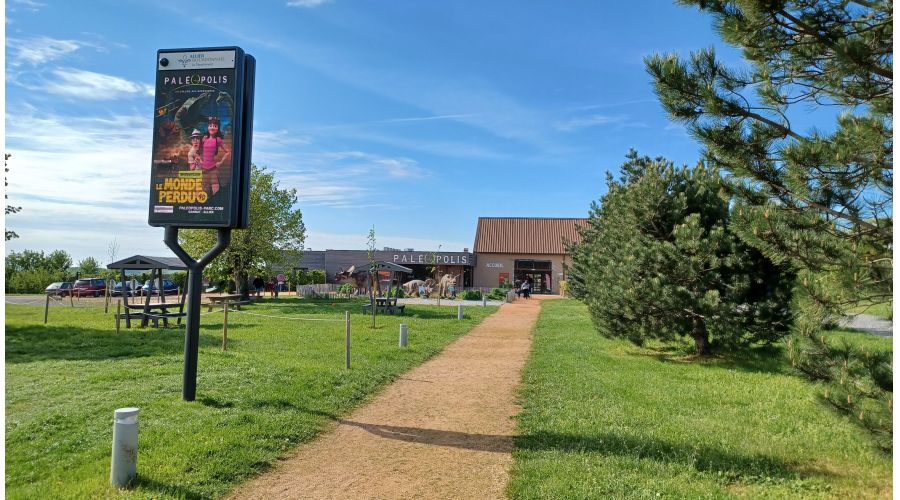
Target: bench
pixel 215 300
pixel 214 303
pixel 398 309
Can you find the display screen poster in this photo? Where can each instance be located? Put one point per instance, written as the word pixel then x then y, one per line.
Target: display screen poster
pixel 195 165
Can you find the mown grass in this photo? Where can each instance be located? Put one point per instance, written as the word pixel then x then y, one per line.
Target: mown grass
pixel 883 310
pixel 606 419
pixel 280 383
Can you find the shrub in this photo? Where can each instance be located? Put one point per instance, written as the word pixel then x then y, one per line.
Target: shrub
pixel 471 295
pixel 33 281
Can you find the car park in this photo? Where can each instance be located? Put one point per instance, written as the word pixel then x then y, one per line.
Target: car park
pixel 89 287
pixel 59 289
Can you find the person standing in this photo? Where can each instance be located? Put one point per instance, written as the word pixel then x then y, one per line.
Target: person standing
pixel 526 288
pixel 258 284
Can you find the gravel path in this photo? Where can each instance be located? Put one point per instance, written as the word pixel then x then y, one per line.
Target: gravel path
pixel 869 324
pixel 443 430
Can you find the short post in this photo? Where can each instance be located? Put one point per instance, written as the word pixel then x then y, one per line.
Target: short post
pixel 71 302
pixel 124 447
pixel 483 298
pixel 403 334
pixel 106 300
pixel 46 308
pixel 459 312
pixel 225 326
pixel 118 315
pixel 347 335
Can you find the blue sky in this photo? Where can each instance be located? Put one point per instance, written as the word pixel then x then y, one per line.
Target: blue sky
pixel 415 117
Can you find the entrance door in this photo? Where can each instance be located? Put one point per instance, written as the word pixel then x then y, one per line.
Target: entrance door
pixel 538 271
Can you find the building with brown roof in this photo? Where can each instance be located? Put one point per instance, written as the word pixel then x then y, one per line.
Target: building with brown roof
pixel 511 249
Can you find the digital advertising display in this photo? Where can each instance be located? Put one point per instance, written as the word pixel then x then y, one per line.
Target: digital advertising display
pixel 200 150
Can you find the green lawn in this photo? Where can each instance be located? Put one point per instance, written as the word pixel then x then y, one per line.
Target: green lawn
pixel 883 310
pixel 280 383
pixel 606 419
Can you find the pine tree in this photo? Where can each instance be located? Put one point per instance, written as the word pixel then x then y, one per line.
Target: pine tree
pixel 819 200
pixel 657 260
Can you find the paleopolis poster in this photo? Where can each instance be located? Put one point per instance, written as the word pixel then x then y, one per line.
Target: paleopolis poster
pixel 193 168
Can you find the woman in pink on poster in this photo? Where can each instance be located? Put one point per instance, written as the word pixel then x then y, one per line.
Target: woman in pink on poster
pixel 211 144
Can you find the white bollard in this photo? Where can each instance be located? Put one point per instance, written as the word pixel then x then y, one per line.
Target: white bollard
pixel 459 314
pixel 483 299
pixel 125 447
pixel 403 334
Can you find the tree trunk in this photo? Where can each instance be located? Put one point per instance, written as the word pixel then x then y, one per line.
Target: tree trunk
pixel 242 284
pixel 701 337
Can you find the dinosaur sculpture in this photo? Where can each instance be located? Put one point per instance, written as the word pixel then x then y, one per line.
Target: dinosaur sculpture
pixel 411 288
pixel 358 278
pixel 445 283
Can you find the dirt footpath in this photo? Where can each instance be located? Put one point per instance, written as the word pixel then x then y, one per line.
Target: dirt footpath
pixel 443 430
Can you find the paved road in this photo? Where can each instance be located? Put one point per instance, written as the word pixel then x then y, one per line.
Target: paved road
pixel 869 324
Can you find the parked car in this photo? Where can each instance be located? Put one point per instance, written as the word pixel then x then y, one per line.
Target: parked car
pixel 117 289
pixel 89 287
pixel 169 287
pixel 59 289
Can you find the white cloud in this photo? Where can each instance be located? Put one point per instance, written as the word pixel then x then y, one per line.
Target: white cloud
pixel 39 50
pixel 306 4
pixel 586 121
pixel 80 183
pixel 30 5
pixel 84 84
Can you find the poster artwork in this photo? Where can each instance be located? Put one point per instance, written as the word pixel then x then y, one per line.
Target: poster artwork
pixel 193 165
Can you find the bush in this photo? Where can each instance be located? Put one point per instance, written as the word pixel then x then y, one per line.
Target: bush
pixel 471 295
pixel 345 289
pixel 34 281
pixel 497 294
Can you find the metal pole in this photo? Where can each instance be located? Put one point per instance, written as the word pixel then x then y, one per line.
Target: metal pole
pixel 459 312
pixel 403 334
pixel 118 315
pixel 347 341
pixel 106 300
pixel 195 285
pixel 71 293
pixel 46 308
pixel 225 327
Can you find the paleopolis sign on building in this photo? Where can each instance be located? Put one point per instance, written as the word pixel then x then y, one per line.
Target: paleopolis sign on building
pixel 445 258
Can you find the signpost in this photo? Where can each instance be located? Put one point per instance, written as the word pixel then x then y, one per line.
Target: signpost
pixel 200 170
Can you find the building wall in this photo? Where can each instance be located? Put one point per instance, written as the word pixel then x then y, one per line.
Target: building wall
pixel 491 265
pixel 335 261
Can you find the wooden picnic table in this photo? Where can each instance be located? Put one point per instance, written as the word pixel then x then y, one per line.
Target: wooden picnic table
pixel 154 311
pixel 220 299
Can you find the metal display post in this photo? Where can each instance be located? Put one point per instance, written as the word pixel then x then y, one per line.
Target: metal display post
pixel 195 287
